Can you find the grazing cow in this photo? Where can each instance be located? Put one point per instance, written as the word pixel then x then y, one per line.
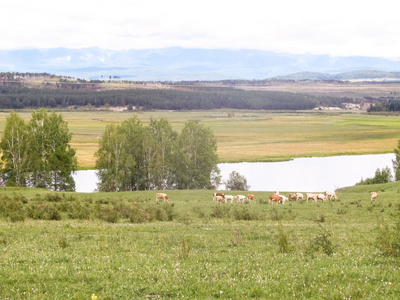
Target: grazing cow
pixel 276 193
pixel 218 194
pixel 373 195
pixel 275 198
pixel 321 197
pixel 330 195
pixel 284 198
pixel 250 197
pixel 162 196
pixel 311 196
pixel 240 198
pixel 299 196
pixel 292 197
pixel 229 197
pixel 219 199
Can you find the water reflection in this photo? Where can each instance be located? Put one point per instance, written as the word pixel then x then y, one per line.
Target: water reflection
pixel 299 175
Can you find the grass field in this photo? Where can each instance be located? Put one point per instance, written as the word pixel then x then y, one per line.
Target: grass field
pixel 251 135
pixel 126 246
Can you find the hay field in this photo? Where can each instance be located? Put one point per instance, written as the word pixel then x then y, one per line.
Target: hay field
pixel 251 135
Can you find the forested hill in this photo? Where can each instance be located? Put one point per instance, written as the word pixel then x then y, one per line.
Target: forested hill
pixel 17 97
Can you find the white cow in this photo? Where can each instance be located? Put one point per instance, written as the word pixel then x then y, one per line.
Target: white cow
pixel 331 194
pixel 299 196
pixel 230 197
pixel 321 197
pixel 284 198
pixel 373 195
pixel 311 196
pixel 240 198
pixel 219 199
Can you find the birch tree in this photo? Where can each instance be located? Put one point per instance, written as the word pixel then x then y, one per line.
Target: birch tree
pixel 14 147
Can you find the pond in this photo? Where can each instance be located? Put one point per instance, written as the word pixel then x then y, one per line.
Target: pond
pixel 311 174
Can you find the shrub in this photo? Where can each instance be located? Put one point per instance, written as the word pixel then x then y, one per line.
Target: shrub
pixel 322 243
pixel 237 237
pixel 275 215
pixel 383 176
pixel 388 239
pixel 283 241
pixel 244 213
pixel 236 182
pixel 220 211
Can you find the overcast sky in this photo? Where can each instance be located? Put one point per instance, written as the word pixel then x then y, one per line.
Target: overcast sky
pixel 337 28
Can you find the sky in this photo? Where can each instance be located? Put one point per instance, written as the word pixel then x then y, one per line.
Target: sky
pixel 336 28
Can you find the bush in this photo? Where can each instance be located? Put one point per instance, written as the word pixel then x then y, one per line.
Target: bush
pixel 236 182
pixel 220 211
pixel 388 239
pixel 383 176
pixel 244 213
pixel 322 243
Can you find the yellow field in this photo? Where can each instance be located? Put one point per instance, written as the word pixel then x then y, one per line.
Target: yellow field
pixel 251 135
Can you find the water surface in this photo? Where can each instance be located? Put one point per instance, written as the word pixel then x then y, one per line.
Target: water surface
pixel 311 174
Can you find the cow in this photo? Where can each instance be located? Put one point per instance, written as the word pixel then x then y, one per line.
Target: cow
pixel 250 197
pixel 300 196
pixel 218 194
pixel 293 197
pixel 321 197
pixel 229 197
pixel 240 198
pixel 276 193
pixel 275 198
pixel 311 196
pixel 330 195
pixel 162 196
pixel 219 199
pixel 284 198
pixel 373 195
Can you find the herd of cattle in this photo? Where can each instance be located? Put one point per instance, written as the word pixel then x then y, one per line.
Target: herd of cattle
pixel 276 197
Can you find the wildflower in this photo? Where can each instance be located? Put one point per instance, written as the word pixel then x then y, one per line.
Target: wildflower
pixel 94 297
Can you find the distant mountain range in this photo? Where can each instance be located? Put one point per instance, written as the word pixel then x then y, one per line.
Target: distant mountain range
pixel 177 64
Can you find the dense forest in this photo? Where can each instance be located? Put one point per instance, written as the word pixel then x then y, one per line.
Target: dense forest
pixel 17 97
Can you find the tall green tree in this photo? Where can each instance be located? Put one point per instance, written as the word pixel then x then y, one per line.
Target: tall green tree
pixel 119 157
pixel 38 154
pixel 195 158
pixel 14 145
pixel 134 157
pixel 158 150
pixel 61 158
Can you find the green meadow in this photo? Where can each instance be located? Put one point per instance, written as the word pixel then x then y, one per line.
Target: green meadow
pixel 251 135
pixel 127 246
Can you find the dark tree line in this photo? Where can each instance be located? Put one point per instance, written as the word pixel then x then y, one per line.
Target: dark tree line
pixel 16 97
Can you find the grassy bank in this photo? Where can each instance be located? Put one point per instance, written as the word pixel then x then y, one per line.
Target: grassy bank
pixel 126 246
pixel 251 135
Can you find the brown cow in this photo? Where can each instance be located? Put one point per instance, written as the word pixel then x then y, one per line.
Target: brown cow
pixel 250 197
pixel 292 197
pixel 275 198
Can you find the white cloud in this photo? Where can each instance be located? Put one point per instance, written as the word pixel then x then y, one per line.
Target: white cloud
pixel 336 28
